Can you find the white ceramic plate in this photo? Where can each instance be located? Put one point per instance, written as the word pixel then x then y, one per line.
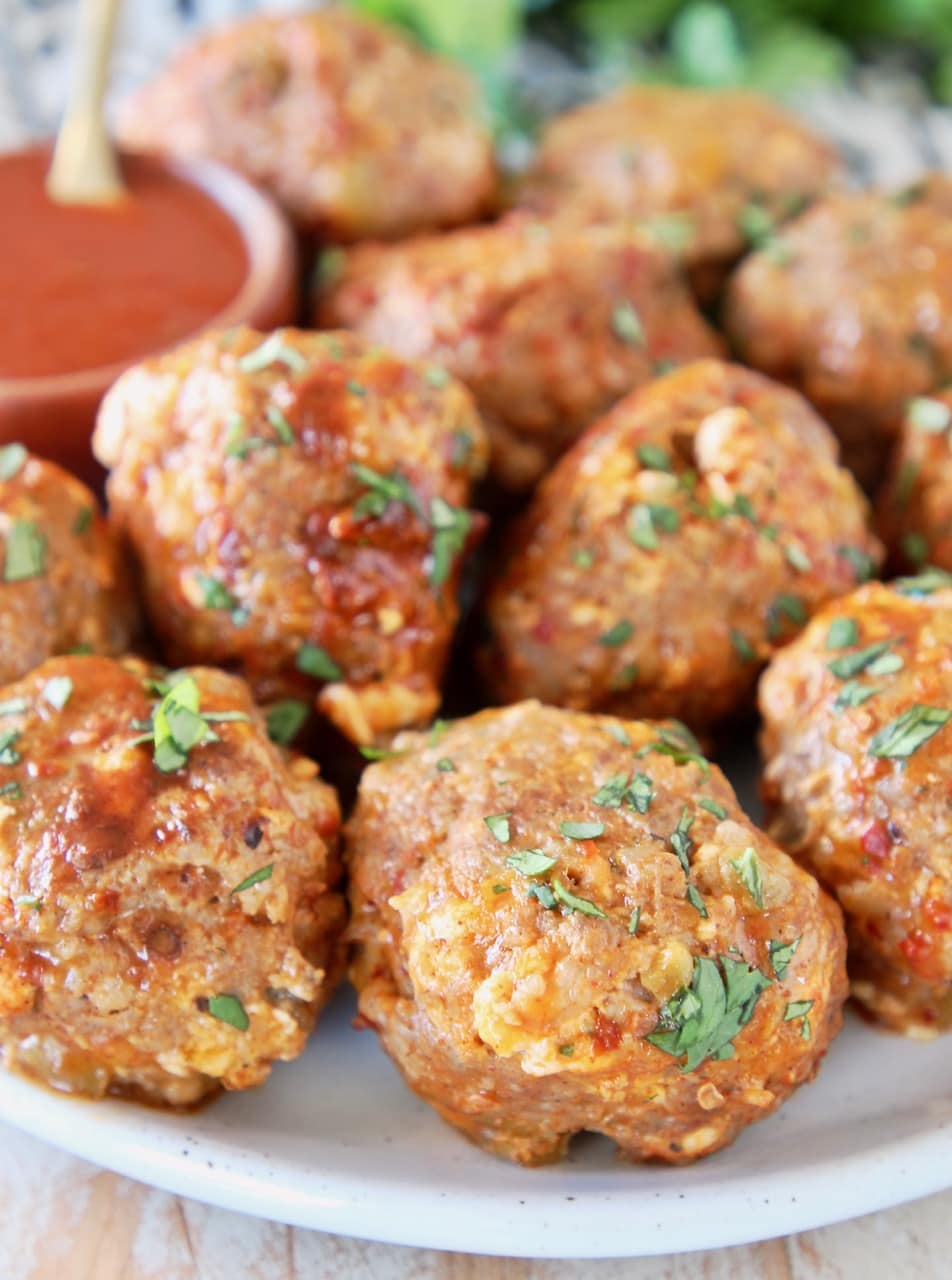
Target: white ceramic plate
pixel 336 1141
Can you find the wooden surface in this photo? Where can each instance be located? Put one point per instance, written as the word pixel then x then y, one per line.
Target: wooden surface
pixel 63 1219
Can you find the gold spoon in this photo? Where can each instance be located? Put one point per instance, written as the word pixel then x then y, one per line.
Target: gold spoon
pixel 85 169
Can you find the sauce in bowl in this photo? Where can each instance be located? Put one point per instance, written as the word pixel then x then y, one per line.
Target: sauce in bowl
pixel 90 286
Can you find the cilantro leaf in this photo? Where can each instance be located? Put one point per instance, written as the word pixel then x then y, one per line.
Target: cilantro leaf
pixel 256 877
pixel 286 719
pixel 747 867
pixel 680 841
pixel 627 326
pixel 843 633
pixel 12 458
pixel 582 830
pixel 228 1008
pixel 530 862
pixel 713 807
pixel 701 1021
pixel 574 903
pixel 317 662
pixel 26 552
pixel 498 824
pixel 781 953
pixel 907 733
pixel 851 664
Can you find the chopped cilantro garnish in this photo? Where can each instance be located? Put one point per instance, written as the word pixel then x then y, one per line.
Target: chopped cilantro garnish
pixel 861 562
pixel 228 1008
pixel 57 691
pixel 445 765
pixel 747 867
pixel 713 807
pixel 530 862
pixel 500 888
pixel 625 678
pixel 842 634
pixel 274 350
pixel 12 458
pixel 379 753
pixel 701 1021
pixel 543 894
pixel 756 224
pixel 435 376
pixel 14 706
pixel 654 458
pixel 382 490
pixel 11 789
pixel 923 584
pixel 680 840
pixel 742 646
pixel 797 558
pixel 696 901
pixel 317 662
pixel 26 552
pixel 574 903
pixel 785 608
pixel 644 521
pixel 908 732
pixel 84 518
pixel 680 745
pixel 635 789
pixel 915 547
pixel 634 920
pixel 854 694
pixel 618 732
pixel 256 877
pixel 30 901
pixel 282 428
pixel 461 448
pixel 616 635
pixel 799 1009
pixel 178 725
pixel 286 719
pixel 356 388
pixel 582 830
pixel 928 415
pixel 450 527
pixel 584 557
pixel 8 751
pixel 627 326
pixel 566 1050
pixel 781 953
pixel 215 595
pixel 886 665
pixel 851 664
pixel 498 824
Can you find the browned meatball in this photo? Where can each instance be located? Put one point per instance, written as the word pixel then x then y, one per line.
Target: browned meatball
pixel 564 923
pixel 64 579
pixel 546 328
pixel 859 775
pixel 853 305
pixel 354 129
pixel 686 537
pixel 298 506
pixel 168 925
pixel 709 172
pixel 915 505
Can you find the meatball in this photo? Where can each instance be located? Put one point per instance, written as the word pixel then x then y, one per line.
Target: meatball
pixel 566 922
pixel 546 328
pixel 65 583
pixel 858 773
pixel 167 920
pixel 915 505
pixel 297 505
pixel 684 538
pixel 353 128
pixel 852 304
pixel 709 172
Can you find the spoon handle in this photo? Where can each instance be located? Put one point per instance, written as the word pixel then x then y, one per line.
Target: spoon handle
pixel 85 169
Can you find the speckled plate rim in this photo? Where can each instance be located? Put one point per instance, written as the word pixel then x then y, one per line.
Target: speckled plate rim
pixel 235 1156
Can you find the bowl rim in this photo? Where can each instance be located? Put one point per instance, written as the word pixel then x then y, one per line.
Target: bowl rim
pixel 271 264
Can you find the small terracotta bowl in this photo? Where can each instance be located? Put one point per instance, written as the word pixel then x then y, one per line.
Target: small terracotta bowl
pixel 54 415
